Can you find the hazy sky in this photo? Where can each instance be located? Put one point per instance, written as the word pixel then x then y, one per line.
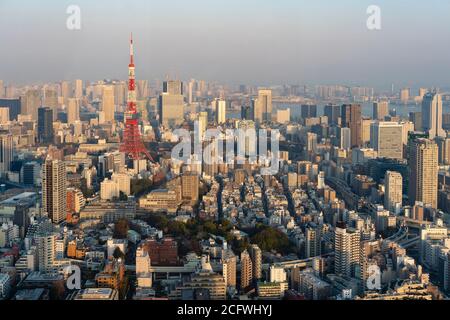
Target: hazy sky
pixel 258 42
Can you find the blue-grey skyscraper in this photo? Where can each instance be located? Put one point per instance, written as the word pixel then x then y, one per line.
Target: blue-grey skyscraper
pixel 432 115
pixel 45 125
pixel 13 105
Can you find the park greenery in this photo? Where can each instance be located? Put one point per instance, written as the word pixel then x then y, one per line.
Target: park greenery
pixel 121 228
pixel 190 233
pixel 140 186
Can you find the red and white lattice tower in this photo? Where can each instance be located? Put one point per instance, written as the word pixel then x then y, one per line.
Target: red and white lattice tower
pixel 132 144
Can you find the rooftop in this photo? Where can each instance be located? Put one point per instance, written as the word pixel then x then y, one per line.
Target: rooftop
pixel 20 197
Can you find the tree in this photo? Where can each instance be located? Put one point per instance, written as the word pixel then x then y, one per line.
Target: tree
pixel 157 220
pixel 123 196
pixel 87 192
pixel 121 228
pixel 177 228
pixel 139 186
pixel 57 290
pixel 118 254
pixel 240 245
pixel 268 239
pixel 210 227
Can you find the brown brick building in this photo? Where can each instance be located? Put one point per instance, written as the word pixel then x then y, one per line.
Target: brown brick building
pixel 162 252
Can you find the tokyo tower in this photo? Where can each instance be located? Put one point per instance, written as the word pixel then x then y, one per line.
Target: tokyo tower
pixel 132 144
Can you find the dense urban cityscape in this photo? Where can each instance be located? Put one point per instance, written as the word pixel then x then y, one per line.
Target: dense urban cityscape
pixel 131 189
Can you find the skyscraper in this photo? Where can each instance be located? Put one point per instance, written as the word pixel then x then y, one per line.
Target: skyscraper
pixel 45 125
pixel 120 92
pixel 46 249
pixel 313 237
pixel 380 110
pixel 190 187
pixel 386 139
pixel 221 111
pixel 416 118
pixel 247 143
pixel 30 103
pixel 308 111
pixel 351 118
pixel 229 267
pixel 107 105
pixel 332 112
pixel 432 115
pixel 78 89
pixel 171 104
pixel 174 87
pixel 393 187
pixel 444 150
pixel 247 113
pixel 54 190
pixel 404 94
pixel 283 116
pixel 13 105
pixel 66 90
pixel 262 106
pixel 6 152
pixel 256 256
pixel 202 125
pixel 4 115
pixel 73 110
pixel 142 89
pixel 51 101
pixel 191 91
pixel 347 250
pixel 30 173
pixel 345 138
pixel 365 130
pixel 10 92
pixel 246 270
pixel 311 143
pixel 423 165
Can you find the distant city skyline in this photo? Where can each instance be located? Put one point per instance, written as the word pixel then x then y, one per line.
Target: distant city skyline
pixel 243 151
pixel 259 42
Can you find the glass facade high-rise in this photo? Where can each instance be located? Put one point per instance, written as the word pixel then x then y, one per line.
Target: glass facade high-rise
pixel 14 106
pixel 6 152
pixel 432 115
pixel 333 113
pixel 45 125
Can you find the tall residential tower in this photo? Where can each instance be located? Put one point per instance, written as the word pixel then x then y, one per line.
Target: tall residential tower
pixel 54 190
